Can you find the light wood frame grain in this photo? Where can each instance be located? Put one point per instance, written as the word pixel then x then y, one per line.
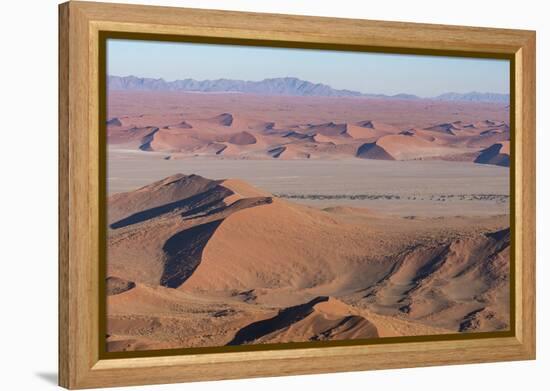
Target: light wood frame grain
pixel 80 24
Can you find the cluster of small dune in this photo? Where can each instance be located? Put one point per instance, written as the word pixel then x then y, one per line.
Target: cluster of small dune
pixel 229 136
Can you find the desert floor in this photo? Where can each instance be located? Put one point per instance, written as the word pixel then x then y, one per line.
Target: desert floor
pixel 406 188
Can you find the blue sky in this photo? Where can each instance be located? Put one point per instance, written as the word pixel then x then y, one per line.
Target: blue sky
pixel 364 72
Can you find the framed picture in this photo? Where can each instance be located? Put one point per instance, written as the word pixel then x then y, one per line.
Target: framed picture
pixel 247 195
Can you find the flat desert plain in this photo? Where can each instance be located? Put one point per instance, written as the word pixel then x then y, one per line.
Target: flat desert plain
pixel 244 219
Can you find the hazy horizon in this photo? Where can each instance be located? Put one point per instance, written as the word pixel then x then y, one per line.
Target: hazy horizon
pixel 371 73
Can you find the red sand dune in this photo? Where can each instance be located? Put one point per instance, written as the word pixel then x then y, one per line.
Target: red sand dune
pixel 242 138
pixel 225 119
pixel 403 146
pixel 446 128
pixel 329 129
pixel 191 258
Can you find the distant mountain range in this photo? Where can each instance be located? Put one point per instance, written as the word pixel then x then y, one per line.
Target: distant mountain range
pixel 278 86
pixel 475 97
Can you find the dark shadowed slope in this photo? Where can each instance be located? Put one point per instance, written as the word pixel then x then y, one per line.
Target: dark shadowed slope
pixel 498 154
pixel 116 286
pixel 373 151
pixel 322 318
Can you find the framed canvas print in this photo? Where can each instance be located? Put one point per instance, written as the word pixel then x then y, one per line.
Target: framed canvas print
pixel 249 195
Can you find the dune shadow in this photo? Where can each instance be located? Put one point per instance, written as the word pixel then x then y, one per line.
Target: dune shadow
pixel 184 252
pixel 206 209
pixel 492 155
pixel 283 319
pixel 373 151
pixel 501 235
pixel 209 197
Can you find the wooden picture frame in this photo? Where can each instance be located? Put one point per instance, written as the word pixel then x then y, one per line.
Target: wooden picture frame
pixel 80 164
